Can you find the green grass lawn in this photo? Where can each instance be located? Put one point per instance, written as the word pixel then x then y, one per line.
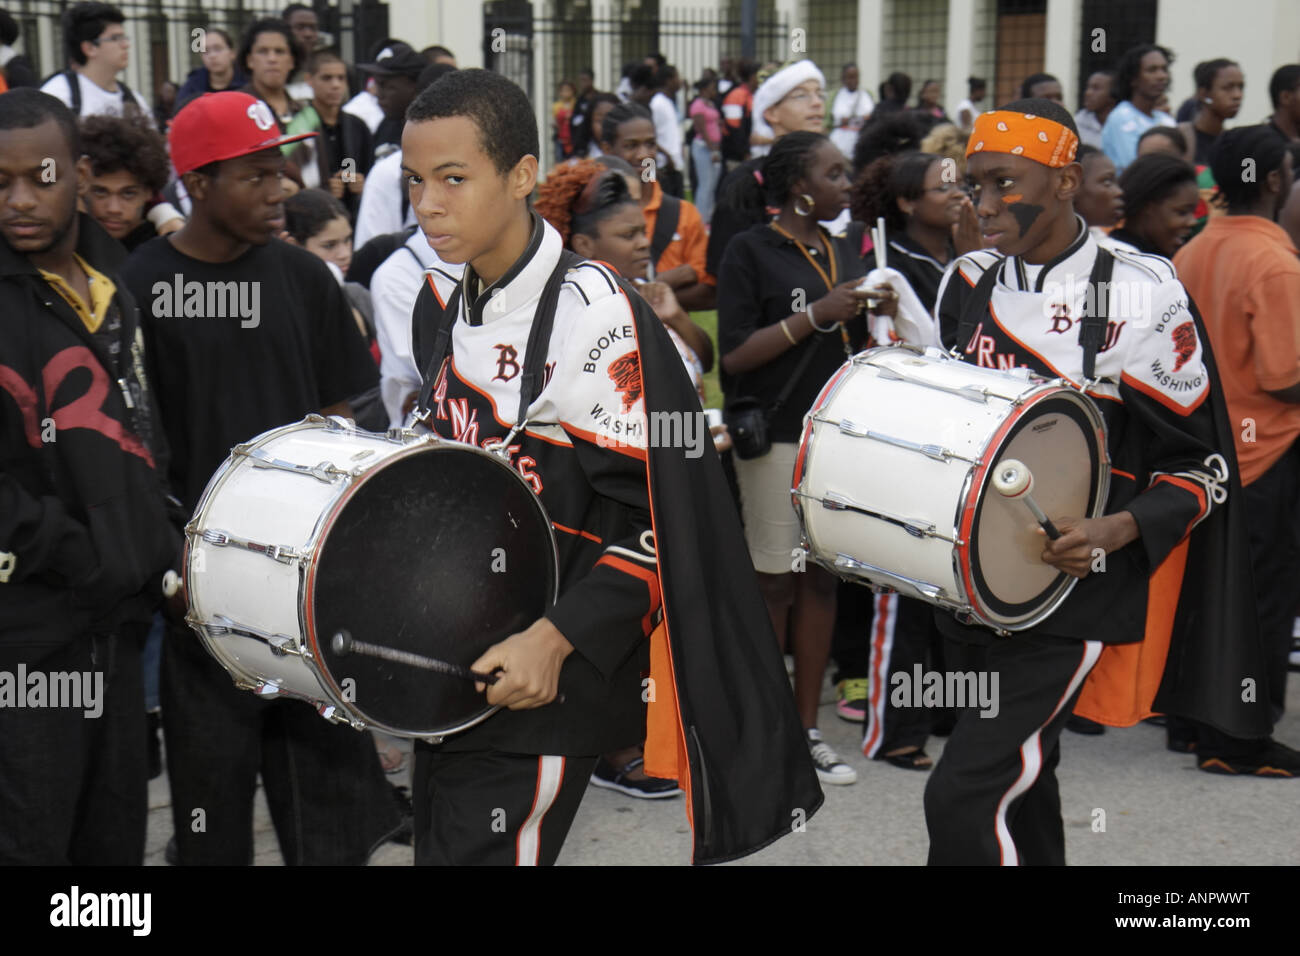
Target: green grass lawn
pixel 712 390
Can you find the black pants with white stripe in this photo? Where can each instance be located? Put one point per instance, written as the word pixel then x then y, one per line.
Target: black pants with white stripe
pixel 487 808
pixel 993 797
pixel 900 640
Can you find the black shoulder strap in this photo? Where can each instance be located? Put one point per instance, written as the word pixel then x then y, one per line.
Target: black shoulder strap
pixel 670 213
pixel 533 379
pixel 75 85
pixel 976 305
pixel 809 351
pixel 1092 327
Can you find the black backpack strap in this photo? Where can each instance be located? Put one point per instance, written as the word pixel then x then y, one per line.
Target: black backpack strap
pixel 75 86
pixel 1092 327
pixel 441 342
pixel 670 213
pixel 533 379
pixel 977 304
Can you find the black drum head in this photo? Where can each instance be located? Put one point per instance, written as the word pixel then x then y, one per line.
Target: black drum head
pixel 441 553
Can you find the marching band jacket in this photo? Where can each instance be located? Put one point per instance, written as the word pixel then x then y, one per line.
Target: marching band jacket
pixel 1173 467
pixel 648 540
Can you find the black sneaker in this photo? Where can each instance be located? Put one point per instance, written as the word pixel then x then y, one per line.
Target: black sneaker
pixel 1082 725
pixel 609 777
pixel 1272 759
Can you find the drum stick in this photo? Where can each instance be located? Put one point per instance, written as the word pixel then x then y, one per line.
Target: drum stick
pixel 343 643
pixel 1014 480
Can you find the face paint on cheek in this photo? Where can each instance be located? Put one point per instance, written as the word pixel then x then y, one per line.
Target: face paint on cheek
pixel 1026 214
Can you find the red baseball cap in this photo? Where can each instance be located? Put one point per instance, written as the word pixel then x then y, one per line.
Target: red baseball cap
pixel 217 126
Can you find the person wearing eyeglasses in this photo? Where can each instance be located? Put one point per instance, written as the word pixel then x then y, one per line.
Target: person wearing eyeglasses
pixel 98 49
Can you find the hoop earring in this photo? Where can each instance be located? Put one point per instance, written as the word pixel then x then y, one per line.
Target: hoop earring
pixel 806 198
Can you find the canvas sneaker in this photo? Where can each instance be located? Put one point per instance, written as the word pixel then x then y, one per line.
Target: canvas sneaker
pixel 851 699
pixel 830 768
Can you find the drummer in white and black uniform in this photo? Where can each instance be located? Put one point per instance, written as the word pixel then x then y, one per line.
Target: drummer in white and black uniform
pixel 993 797
pixel 572 684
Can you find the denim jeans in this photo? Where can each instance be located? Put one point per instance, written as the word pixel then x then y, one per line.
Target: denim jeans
pixel 151 661
pixel 706 177
pixel 329 801
pixel 73 785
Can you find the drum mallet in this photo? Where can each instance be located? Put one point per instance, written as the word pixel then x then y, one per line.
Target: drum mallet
pixel 1013 479
pixel 343 643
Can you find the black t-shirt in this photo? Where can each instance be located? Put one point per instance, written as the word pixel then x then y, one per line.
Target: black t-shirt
pixel 757 287
pixel 282 346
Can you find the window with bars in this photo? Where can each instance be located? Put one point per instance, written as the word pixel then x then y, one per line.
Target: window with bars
pixel 916 33
pixel 1021 45
pixel 832 39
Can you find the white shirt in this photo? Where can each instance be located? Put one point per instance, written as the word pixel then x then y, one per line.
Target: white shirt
pixel 381 201
pixel 668 128
pixel 849 110
pixel 393 289
pixel 974 110
pixel 365 106
pixel 95 100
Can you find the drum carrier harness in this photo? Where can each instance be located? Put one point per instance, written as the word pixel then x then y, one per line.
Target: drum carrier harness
pixel 1092 326
pixel 533 380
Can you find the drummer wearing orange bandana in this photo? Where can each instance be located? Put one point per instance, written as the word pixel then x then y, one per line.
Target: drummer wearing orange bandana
pixel 1027 300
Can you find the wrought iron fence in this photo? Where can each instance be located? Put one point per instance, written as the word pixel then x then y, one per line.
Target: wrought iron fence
pixel 161 31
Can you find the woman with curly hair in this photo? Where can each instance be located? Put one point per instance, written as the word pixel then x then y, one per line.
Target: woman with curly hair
pixel 591 205
pixel 128 166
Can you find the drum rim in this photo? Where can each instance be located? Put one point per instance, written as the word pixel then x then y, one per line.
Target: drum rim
pixel 307 576
pixel 978 482
pixel 193 528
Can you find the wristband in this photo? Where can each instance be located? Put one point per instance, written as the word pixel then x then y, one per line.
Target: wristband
pixel 813 322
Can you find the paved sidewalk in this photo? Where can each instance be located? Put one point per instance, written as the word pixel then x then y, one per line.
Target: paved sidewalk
pixel 1159 809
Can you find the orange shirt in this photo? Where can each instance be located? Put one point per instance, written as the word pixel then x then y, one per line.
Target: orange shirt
pixel 1243 275
pixel 690 242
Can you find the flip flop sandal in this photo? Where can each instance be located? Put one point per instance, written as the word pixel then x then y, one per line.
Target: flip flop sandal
pixel 909 761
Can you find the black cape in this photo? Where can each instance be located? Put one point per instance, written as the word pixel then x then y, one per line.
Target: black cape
pixel 1216 643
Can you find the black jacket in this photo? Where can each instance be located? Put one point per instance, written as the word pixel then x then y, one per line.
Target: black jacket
pixel 82 506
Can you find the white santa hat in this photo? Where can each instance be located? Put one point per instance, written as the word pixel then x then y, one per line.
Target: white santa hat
pixel 777 86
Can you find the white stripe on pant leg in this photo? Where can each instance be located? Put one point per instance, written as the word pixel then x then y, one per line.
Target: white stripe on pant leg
pixel 1031 756
pixel 550 773
pixel 885 607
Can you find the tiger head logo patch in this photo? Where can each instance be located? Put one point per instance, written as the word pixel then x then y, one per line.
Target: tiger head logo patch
pixel 1184 337
pixel 625 372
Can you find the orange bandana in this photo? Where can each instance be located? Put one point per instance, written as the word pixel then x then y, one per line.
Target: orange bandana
pixel 1023 134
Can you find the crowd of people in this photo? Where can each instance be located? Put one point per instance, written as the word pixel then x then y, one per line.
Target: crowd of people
pixel 279 165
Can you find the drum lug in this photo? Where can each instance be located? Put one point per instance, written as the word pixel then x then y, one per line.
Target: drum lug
pixel 276 552
pixel 280 645
pixel 932 591
pixel 325 471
